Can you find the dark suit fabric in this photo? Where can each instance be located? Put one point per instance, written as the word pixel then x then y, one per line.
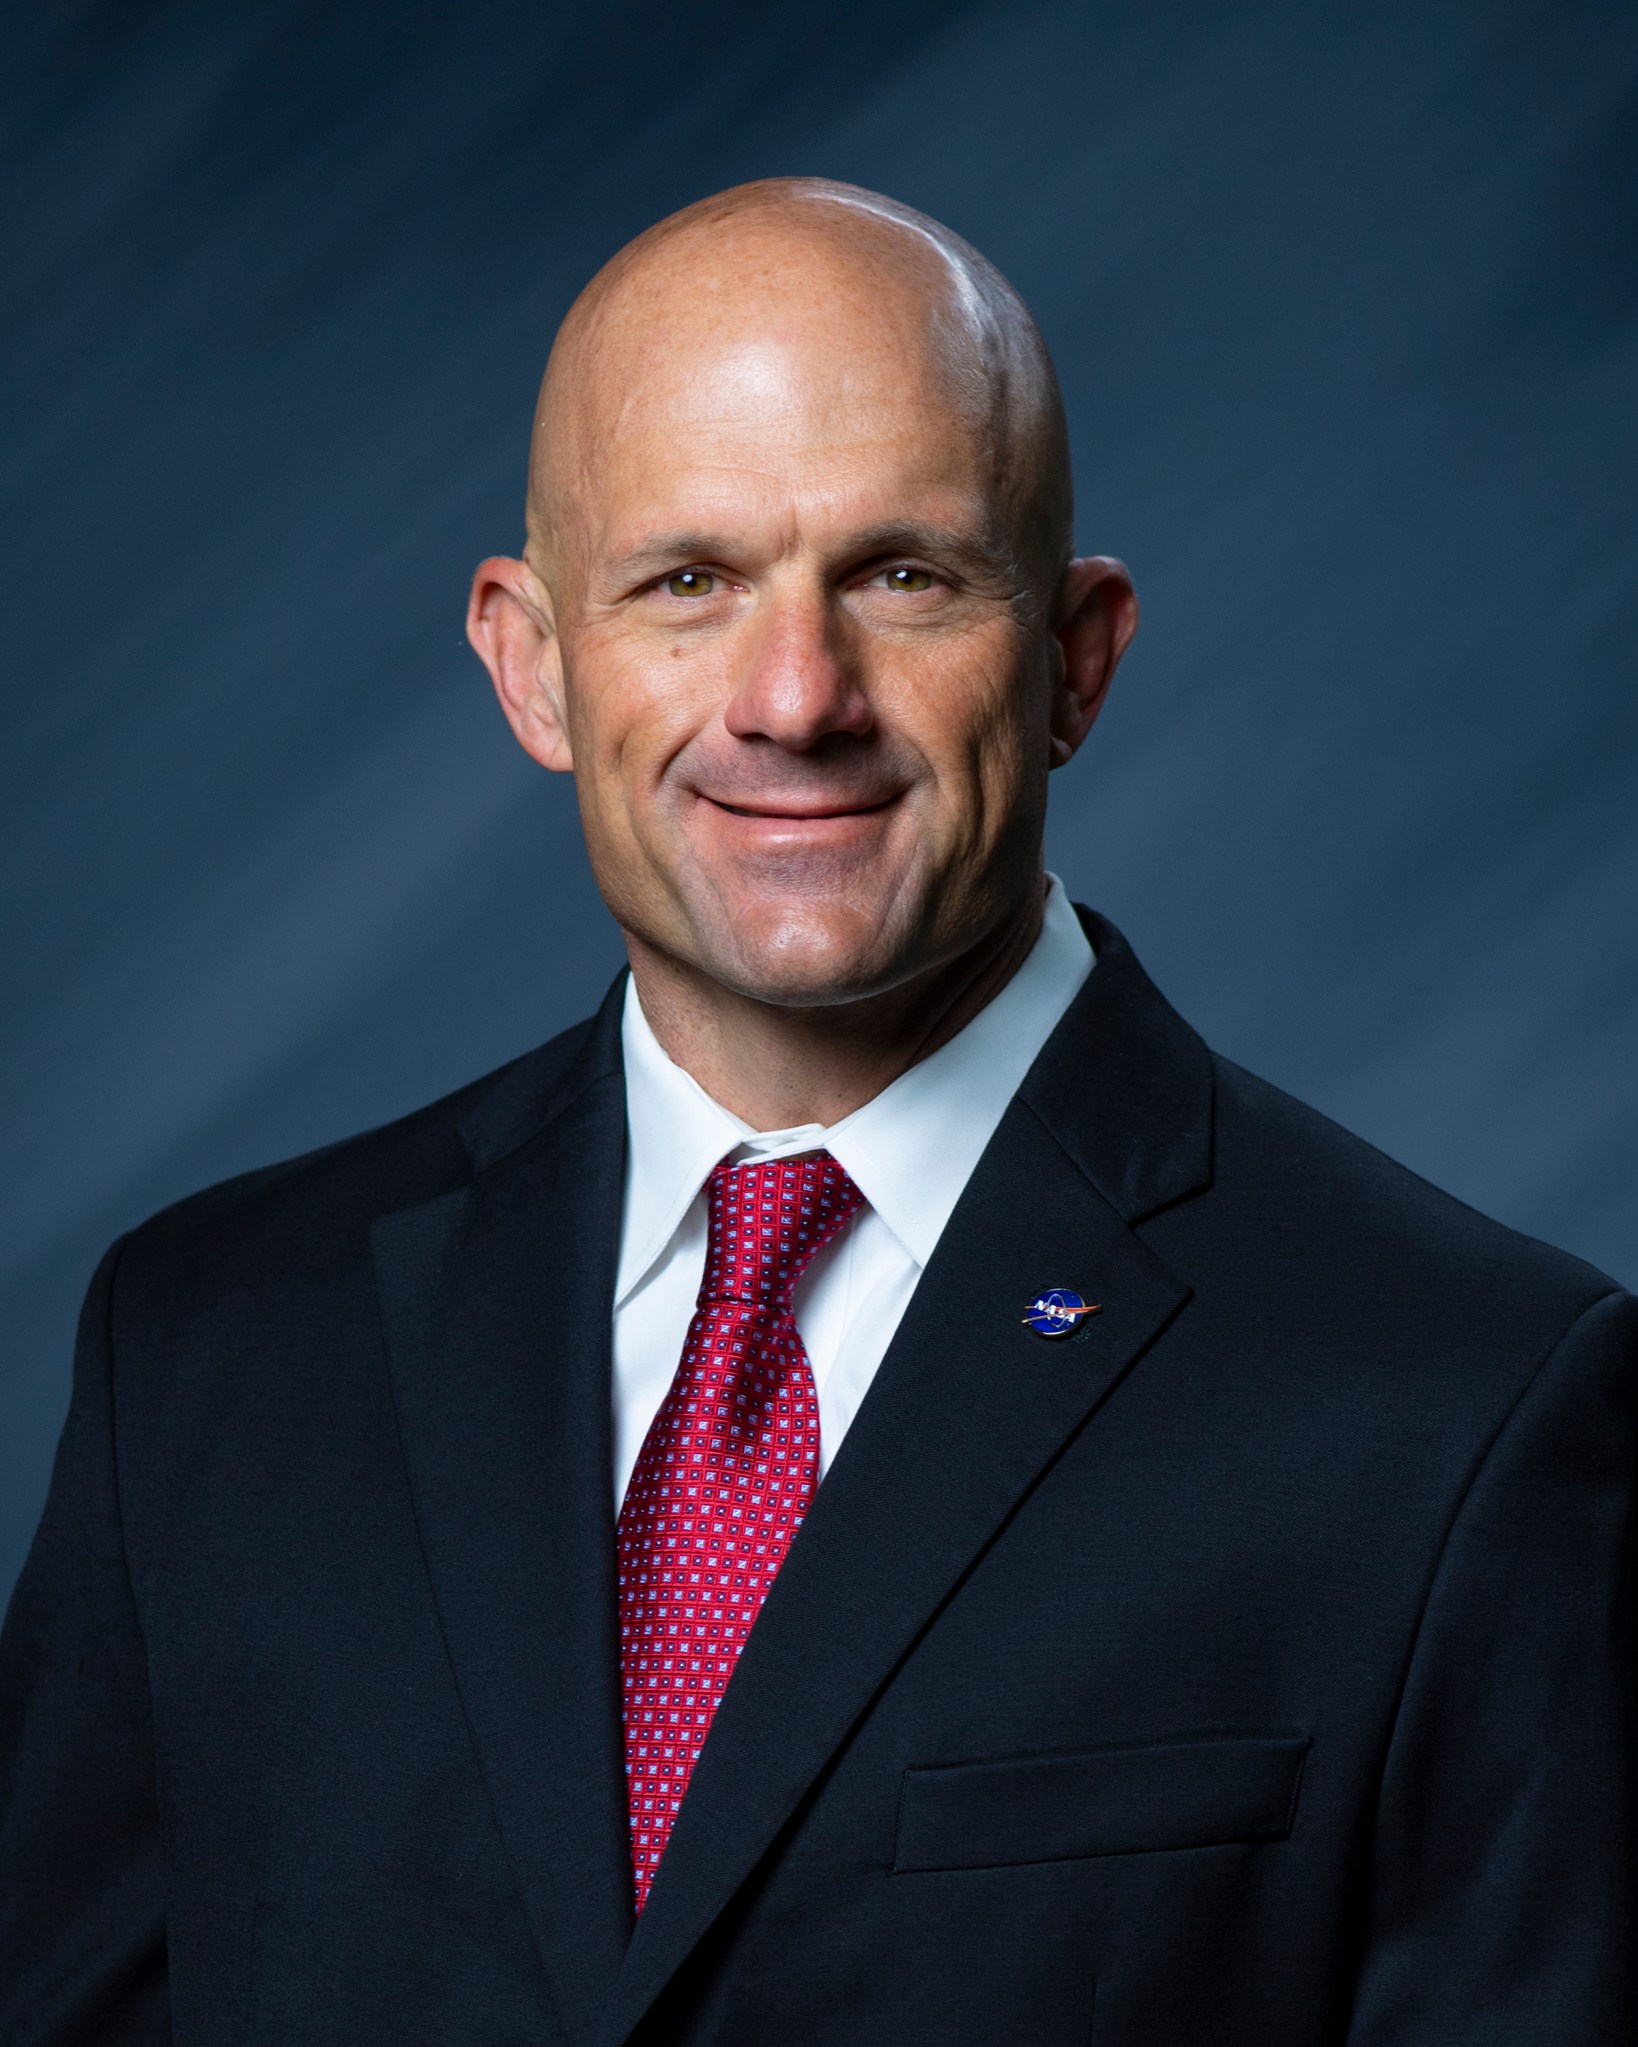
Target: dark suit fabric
pixel 1252 1668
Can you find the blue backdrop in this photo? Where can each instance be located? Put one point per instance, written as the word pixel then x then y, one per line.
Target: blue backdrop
pixel 1345 301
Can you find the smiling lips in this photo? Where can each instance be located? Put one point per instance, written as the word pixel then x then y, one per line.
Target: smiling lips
pixel 800 814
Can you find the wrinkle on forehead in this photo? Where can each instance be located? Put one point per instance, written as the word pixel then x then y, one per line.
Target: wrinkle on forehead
pixel 742 283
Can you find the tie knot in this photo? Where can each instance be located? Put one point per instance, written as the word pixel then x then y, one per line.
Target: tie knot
pixel 769 1218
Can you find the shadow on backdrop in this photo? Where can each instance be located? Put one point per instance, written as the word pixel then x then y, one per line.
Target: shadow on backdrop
pixel 1346 309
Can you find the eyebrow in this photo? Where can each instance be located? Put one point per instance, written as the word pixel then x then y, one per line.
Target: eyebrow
pixel 977 560
pixel 666 549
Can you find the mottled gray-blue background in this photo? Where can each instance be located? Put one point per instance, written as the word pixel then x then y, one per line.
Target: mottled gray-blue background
pixel 1345 299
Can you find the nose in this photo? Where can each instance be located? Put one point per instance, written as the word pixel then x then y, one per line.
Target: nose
pixel 801 683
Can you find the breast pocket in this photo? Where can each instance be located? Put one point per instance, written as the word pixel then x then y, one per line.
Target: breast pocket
pixel 1111 1801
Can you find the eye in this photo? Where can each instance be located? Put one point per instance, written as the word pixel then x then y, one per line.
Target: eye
pixel 691 583
pixel 910 581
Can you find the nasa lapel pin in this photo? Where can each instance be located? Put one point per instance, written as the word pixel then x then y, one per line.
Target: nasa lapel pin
pixel 1056 1310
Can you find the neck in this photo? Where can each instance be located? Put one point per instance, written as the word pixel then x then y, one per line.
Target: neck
pixel 776 1067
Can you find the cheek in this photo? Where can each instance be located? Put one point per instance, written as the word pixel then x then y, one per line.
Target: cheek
pixel 971 718
pixel 631 712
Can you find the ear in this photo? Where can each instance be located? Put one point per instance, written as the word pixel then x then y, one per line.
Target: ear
pixel 1096 617
pixel 510 624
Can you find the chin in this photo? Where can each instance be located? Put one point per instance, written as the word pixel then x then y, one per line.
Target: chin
pixel 803 958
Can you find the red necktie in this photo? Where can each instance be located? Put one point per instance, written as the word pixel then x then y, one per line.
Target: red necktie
pixel 725 1475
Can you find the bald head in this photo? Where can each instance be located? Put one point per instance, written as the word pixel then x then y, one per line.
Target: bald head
pixel 792 291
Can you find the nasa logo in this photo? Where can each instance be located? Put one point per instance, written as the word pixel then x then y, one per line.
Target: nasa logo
pixel 1056 1310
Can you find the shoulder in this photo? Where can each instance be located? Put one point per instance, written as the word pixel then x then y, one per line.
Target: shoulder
pixel 1319 1233
pixel 304 1216
pixel 1285 1226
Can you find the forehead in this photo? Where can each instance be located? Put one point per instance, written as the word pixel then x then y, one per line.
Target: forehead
pixel 763 426
pixel 822 389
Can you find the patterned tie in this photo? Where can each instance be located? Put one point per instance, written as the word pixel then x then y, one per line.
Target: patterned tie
pixel 724 1477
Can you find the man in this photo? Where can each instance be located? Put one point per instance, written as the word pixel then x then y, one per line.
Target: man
pixel 1095 1553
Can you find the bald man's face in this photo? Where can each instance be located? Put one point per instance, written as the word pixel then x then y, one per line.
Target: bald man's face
pixel 783 643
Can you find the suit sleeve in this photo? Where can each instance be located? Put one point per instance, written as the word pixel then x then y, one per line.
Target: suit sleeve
pixel 82 1953
pixel 1502 1901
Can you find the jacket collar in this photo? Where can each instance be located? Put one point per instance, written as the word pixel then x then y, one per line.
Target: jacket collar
pixel 1123 1080
pixel 1126 1086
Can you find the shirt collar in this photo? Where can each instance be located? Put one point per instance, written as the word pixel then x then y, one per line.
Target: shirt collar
pixel 910 1150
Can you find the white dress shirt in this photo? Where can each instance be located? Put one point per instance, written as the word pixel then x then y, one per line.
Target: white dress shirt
pixel 909 1151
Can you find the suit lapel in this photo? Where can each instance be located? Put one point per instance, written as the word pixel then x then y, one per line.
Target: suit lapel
pixel 495 1304
pixel 967 1411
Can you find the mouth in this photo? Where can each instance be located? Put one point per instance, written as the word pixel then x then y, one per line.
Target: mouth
pixel 787 812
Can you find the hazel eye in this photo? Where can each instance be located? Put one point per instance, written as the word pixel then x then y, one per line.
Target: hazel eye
pixel 906 579
pixel 691 583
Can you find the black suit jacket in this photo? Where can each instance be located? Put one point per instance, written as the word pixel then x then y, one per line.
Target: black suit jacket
pixel 1254 1666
